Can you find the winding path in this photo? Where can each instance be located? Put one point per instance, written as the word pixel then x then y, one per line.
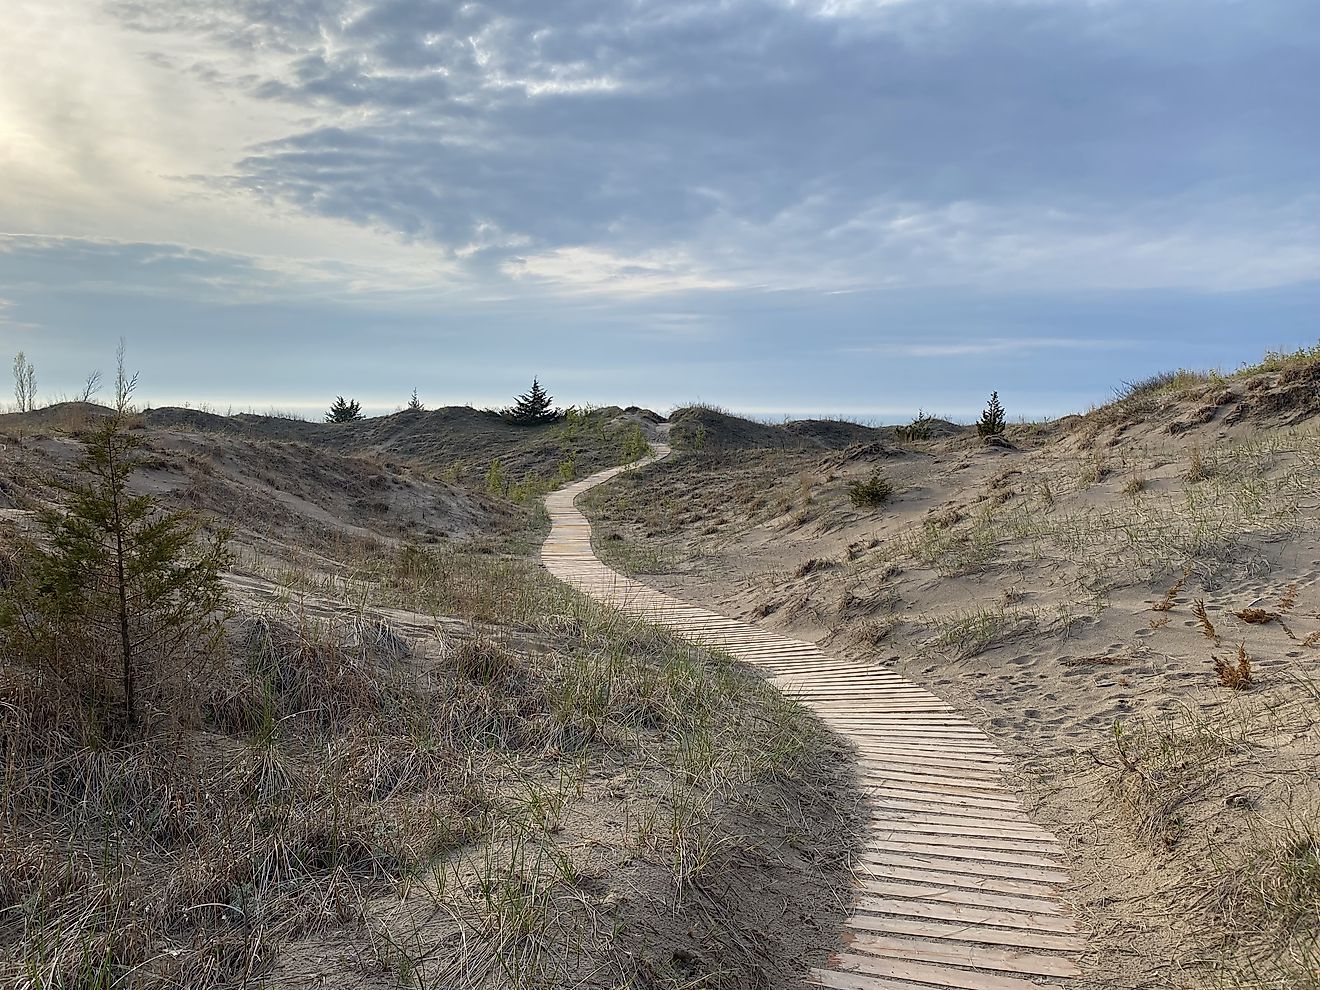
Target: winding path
pixel 956 887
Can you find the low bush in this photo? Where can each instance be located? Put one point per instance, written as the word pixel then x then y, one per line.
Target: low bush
pixel 875 490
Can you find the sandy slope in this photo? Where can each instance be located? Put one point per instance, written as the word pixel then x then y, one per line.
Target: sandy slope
pixel 1048 589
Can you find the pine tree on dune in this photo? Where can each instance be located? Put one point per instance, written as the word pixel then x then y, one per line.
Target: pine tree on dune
pixel 344 410
pixel 532 407
pixel 993 419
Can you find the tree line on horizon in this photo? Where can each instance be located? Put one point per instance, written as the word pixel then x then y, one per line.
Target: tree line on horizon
pixel 531 408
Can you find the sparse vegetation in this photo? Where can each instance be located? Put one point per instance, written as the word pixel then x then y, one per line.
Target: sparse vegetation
pixel 1168 381
pixel 970 632
pixel 1163 764
pixel 1275 362
pixel 1167 602
pixel 359 779
pixel 1015 587
pixel 1094 470
pixel 91 387
pixel 1017 598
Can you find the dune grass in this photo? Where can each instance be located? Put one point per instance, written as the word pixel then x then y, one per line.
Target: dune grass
pixel 370 789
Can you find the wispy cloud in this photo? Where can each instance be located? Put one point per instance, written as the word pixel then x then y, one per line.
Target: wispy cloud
pixel 588 270
pixel 1005 345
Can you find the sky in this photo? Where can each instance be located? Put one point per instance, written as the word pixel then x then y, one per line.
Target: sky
pixel 858 207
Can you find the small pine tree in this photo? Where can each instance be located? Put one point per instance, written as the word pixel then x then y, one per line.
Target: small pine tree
pixel 992 419
pixel 344 411
pixel 635 446
pixel 121 590
pixel 415 404
pixel 875 490
pixel 532 408
pixel 496 482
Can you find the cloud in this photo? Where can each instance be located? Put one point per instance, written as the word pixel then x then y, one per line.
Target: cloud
pixel 832 144
pixel 588 270
pixel 1021 346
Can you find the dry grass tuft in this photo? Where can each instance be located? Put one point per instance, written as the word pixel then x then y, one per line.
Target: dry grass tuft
pixel 812 565
pixel 1203 620
pixel 1046 493
pixel 967 633
pixel 1235 673
pixel 1288 599
pixel 806 482
pixel 946 518
pixel 1166 603
pixel 1103 660
pixel 1094 470
pixel 1196 466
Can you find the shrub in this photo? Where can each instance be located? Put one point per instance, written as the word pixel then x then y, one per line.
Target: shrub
pixel 918 429
pixel 875 490
pixel 635 446
pixel 1275 361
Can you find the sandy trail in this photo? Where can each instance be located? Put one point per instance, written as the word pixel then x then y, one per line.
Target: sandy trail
pixel 956 886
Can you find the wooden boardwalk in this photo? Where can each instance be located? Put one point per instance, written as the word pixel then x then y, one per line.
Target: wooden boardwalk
pixel 956 887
